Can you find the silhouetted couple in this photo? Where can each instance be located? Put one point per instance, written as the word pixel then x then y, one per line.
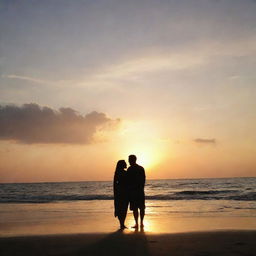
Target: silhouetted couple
pixel 129 189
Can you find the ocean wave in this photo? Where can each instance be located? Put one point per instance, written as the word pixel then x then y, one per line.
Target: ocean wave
pixel 182 195
pixel 188 183
pixel 251 196
pixel 205 192
pixel 54 198
pixel 167 190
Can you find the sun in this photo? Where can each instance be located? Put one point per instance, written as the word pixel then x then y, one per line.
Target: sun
pixel 141 139
pixel 146 159
pixel 146 155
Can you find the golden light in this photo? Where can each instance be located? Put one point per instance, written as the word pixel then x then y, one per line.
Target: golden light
pixel 141 138
pixel 146 155
pixel 151 225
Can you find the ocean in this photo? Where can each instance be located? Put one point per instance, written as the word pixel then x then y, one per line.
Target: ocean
pixel 65 207
pixel 238 192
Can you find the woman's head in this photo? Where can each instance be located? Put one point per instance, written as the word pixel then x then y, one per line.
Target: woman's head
pixel 121 164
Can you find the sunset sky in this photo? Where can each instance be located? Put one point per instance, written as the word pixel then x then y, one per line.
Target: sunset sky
pixel 85 83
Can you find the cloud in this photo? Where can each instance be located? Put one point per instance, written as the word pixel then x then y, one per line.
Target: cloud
pixel 150 64
pixel 205 141
pixel 137 67
pixel 27 78
pixel 31 123
pixel 36 80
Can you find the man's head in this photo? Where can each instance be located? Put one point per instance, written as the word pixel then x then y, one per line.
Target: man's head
pixel 132 159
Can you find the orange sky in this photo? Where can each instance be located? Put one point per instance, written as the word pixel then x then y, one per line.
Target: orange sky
pixel 161 157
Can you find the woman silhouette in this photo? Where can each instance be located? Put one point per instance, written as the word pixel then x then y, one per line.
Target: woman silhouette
pixel 120 192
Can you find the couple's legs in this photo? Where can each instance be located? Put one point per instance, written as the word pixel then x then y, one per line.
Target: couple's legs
pixel 122 216
pixel 122 220
pixel 136 216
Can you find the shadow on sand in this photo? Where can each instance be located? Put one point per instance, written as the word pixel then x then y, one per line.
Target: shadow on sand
pixel 118 243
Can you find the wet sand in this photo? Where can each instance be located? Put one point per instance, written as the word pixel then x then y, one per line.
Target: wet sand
pixel 88 217
pixel 133 243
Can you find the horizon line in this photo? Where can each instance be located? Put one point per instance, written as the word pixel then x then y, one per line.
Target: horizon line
pixel 202 178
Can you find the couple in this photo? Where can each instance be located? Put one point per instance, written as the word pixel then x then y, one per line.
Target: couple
pixel 129 188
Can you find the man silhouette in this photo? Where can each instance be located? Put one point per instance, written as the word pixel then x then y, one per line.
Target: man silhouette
pixel 136 182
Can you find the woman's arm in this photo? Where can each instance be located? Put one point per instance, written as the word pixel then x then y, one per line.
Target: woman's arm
pixel 115 182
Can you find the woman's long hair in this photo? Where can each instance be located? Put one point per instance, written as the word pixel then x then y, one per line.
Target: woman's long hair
pixel 121 164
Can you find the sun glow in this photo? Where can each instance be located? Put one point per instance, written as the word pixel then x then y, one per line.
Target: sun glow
pixel 141 139
pixel 145 155
pixel 148 153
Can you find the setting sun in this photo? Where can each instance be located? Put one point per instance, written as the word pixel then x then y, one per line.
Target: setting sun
pixel 140 138
pixel 146 155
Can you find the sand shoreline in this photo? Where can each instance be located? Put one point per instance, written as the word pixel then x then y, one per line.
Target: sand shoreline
pixel 223 242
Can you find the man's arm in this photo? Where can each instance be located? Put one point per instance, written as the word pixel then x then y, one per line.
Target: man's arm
pixel 143 177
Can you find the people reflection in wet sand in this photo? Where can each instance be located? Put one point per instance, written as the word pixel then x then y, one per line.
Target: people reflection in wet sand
pixel 129 189
pixel 121 200
pixel 136 182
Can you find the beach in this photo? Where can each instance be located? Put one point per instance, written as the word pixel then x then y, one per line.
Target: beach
pixel 118 243
pixel 183 217
pixel 98 234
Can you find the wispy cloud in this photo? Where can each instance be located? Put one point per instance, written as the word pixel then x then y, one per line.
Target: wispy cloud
pixel 149 64
pixel 142 66
pixel 205 141
pixel 139 66
pixel 27 78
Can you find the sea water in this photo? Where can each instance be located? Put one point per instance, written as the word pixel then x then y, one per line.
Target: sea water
pixel 74 206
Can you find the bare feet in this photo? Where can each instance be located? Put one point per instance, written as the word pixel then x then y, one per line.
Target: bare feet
pixel 135 226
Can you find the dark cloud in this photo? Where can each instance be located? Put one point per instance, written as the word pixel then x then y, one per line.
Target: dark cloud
pixel 205 141
pixel 31 123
